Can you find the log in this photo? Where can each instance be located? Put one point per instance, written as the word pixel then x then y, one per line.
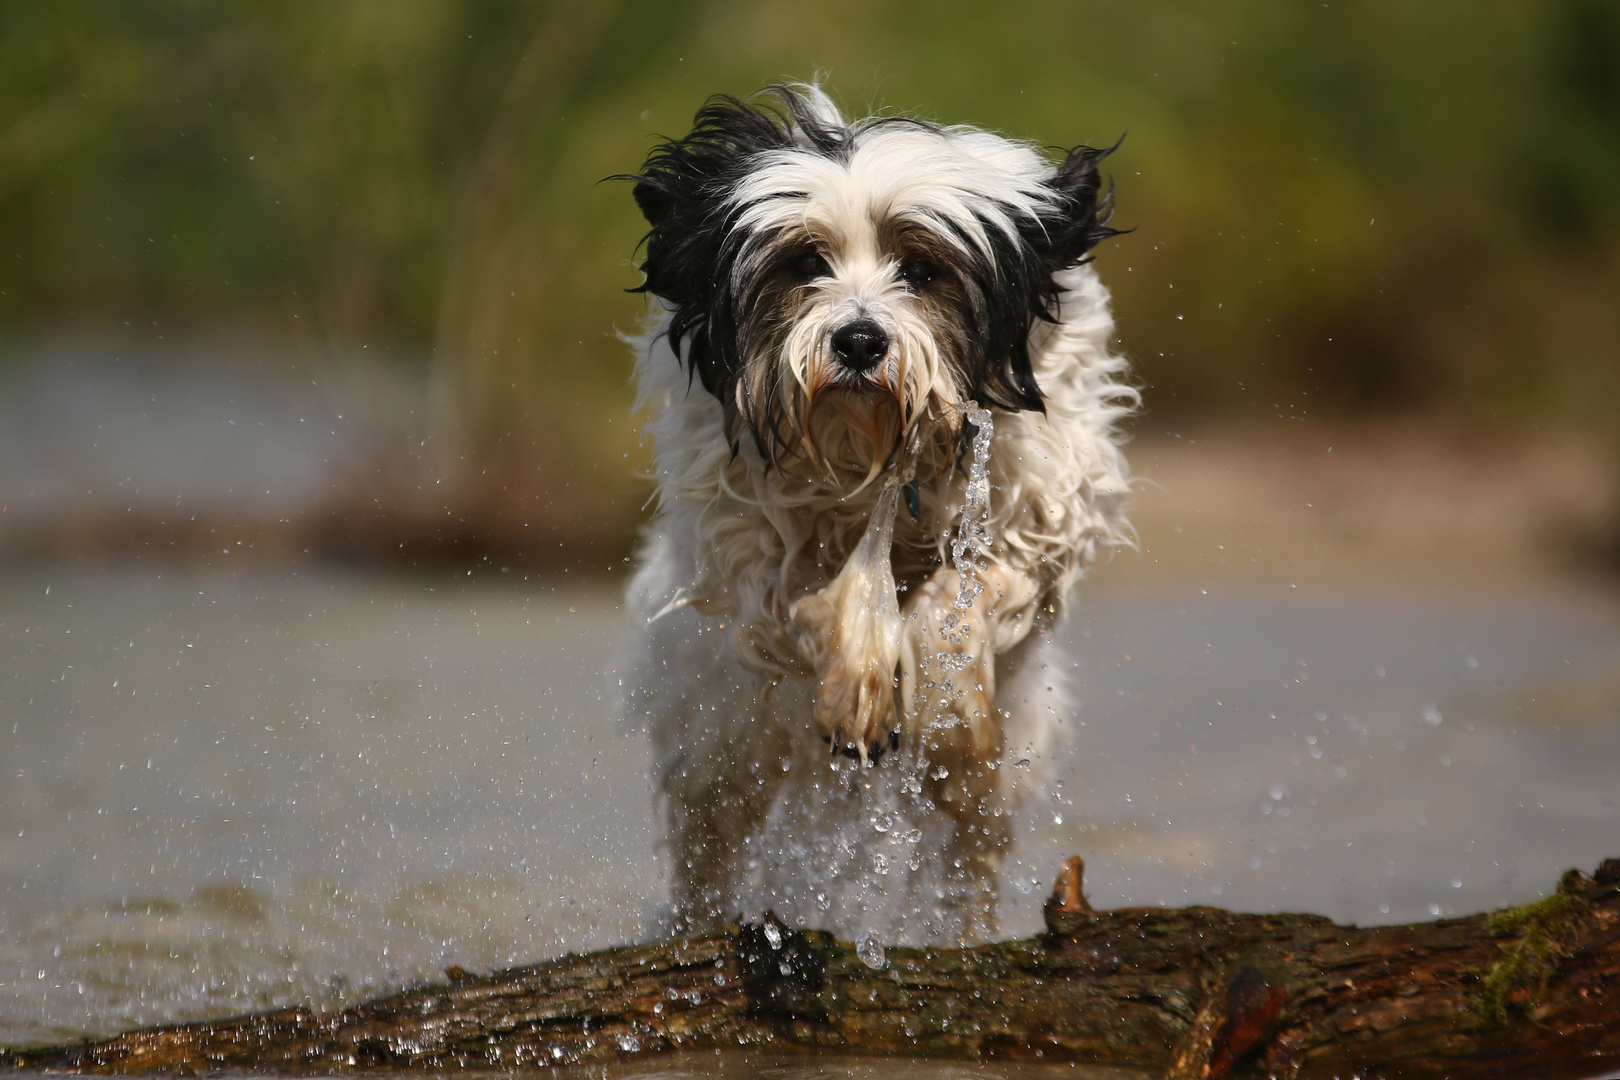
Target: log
pixel 1191 992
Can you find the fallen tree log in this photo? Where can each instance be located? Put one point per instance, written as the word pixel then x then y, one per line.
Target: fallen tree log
pixel 1192 992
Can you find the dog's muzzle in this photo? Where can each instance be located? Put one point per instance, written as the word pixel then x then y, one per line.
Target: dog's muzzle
pixel 860 345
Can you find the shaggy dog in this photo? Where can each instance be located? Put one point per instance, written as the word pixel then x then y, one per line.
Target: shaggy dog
pixel 884 414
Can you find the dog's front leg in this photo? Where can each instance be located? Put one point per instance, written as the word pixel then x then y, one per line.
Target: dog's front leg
pixel 850 633
pixel 948 678
pixel 948 687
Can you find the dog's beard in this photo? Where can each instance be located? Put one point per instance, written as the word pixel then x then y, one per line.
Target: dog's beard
pixel 814 416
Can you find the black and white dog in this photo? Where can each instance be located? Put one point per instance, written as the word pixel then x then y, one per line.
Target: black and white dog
pixel 885 417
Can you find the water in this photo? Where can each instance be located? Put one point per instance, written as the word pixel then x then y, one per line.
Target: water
pixel 972 542
pixel 225 791
pixel 1266 750
pixel 738 1065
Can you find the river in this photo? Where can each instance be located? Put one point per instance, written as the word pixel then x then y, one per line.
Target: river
pixel 227 789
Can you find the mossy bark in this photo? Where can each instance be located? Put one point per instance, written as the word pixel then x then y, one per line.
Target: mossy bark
pixel 1193 992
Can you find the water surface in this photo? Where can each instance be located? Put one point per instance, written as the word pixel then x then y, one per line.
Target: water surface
pixel 225 791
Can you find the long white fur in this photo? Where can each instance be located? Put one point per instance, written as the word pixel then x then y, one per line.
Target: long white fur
pixel 712 668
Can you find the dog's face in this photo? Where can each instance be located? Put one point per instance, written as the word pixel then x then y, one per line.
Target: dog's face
pixel 891 268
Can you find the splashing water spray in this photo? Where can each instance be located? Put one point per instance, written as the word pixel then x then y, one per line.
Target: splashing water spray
pixel 873 875
pixel 970 550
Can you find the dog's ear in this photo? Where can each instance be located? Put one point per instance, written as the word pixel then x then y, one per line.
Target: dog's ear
pixel 684 190
pixel 1079 214
pixel 1053 236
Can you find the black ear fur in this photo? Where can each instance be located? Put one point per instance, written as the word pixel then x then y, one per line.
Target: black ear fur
pixel 682 191
pixel 1082 210
pixel 1055 239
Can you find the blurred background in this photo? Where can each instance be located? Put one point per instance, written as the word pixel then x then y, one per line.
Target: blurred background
pixel 346 277
pixel 318 475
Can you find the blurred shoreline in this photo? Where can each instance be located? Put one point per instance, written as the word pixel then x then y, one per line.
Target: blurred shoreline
pixel 223 450
pixel 1387 500
pixel 219 453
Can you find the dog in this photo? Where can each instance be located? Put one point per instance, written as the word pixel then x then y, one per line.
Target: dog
pixel 885 418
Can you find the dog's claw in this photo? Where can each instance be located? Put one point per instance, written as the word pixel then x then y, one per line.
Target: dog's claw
pixel 855 704
pixel 852 749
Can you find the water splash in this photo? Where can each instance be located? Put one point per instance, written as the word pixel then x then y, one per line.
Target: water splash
pixel 870 864
pixel 873 566
pixel 970 550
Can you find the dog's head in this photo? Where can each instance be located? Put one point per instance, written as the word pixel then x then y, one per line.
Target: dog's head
pixel 891 267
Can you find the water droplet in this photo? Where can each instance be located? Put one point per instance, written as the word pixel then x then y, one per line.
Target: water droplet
pixel 1431 716
pixel 871 953
pixel 773 934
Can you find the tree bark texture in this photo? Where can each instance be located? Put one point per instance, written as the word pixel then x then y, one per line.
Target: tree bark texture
pixel 1192 992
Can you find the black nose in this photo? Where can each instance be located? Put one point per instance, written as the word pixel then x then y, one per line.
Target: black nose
pixel 859 345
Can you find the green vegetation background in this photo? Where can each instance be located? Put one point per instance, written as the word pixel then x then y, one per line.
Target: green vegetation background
pixel 1337 207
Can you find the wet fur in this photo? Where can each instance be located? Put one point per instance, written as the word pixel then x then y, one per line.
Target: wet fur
pixel 753 646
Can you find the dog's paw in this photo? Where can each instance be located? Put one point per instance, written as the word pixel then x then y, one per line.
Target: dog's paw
pixel 948 653
pixel 854 662
pixel 850 633
pixel 947 664
pixel 947 686
pixel 856 712
pixel 948 681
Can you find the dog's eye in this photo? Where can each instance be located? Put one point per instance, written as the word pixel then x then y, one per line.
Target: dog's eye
pixel 809 266
pixel 919 272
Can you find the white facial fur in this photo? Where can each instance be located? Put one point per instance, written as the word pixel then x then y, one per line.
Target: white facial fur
pixel 900 192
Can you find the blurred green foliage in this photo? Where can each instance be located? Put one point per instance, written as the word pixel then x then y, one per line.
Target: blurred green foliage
pixel 1336 207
